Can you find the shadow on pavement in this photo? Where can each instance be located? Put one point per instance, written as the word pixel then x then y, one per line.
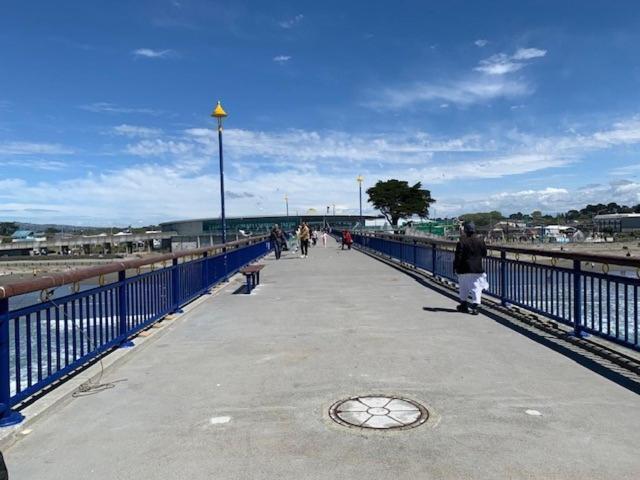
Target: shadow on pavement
pixel 439 309
pixel 596 363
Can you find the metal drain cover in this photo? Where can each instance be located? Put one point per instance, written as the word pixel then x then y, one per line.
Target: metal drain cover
pixel 378 412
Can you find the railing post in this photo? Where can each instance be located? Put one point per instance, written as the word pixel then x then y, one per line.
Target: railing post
pixel 577 303
pixel 503 278
pixel 433 259
pixel 225 278
pixel 7 416
pixel 122 310
pixel 175 286
pixel 205 271
pixel 415 254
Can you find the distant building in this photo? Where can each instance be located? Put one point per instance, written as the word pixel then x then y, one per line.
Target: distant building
pixel 207 231
pixel 23 236
pixel 618 222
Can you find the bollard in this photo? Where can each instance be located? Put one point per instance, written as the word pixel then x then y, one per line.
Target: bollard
pixel 8 417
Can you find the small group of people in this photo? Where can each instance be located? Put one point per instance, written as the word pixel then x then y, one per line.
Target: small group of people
pixel 303 237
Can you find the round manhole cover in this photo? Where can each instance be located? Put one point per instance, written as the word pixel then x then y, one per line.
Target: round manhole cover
pixel 378 412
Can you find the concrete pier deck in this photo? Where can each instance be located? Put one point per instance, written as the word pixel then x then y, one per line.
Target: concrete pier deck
pixel 240 386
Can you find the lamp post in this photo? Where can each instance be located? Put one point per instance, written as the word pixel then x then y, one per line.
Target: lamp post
pixel 360 179
pixel 220 114
pixel 286 201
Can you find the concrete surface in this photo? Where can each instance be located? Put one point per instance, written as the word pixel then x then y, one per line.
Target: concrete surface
pixel 240 387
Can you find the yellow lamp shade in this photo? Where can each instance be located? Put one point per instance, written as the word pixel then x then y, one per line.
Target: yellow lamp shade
pixel 219 112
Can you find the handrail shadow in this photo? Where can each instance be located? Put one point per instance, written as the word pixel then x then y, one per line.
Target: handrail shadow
pixel 597 364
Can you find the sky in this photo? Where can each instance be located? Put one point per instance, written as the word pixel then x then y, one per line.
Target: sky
pixel 516 106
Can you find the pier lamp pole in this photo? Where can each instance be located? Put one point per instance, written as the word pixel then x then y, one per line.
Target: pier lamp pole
pixel 286 201
pixel 360 179
pixel 220 114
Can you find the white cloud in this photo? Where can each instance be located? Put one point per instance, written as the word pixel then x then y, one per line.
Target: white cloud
pixel 151 53
pixel 628 170
pixel 528 53
pixel 34 164
pixel 499 64
pixel 481 42
pixel 176 175
pixel 133 131
pixel 281 59
pixel 548 200
pixel 158 147
pixel 106 107
pixel 30 148
pixel 502 64
pixel 470 89
pixel 312 146
pixel 462 92
pixel 291 22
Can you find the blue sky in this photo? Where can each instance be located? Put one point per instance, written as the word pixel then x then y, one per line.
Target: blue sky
pixel 104 106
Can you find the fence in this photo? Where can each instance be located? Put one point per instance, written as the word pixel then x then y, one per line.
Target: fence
pixel 47 340
pixel 553 284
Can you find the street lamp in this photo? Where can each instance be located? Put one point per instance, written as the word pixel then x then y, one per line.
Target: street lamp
pixel 286 201
pixel 219 113
pixel 360 179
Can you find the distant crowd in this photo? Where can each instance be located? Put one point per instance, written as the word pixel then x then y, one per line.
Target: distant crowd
pixel 303 237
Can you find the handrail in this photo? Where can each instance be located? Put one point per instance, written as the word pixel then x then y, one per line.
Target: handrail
pixel 583 257
pixel 79 274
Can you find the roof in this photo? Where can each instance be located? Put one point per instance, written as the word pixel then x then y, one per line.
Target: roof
pixel 616 216
pixel 266 217
pixel 22 234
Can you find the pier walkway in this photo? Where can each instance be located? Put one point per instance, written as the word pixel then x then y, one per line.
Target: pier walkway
pixel 240 386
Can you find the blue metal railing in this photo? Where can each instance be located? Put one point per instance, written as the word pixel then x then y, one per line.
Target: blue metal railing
pixel 603 304
pixel 43 342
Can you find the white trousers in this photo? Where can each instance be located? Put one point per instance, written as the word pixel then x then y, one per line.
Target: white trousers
pixel 472 283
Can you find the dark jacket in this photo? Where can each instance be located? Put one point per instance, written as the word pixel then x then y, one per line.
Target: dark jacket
pixel 469 253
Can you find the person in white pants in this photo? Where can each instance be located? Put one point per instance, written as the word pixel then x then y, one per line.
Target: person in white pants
pixel 467 263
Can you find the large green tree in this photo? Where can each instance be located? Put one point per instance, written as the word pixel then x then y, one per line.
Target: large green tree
pixel 396 199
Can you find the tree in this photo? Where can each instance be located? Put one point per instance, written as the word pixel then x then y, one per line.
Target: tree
pixel 396 199
pixel 573 215
pixel 8 228
pixel 483 219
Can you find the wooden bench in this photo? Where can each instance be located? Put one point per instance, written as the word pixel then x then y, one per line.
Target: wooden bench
pixel 252 274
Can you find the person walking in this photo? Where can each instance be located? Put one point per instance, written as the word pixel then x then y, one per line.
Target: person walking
pixel 304 240
pixel 324 239
pixel 275 237
pixel 467 263
pixel 346 240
